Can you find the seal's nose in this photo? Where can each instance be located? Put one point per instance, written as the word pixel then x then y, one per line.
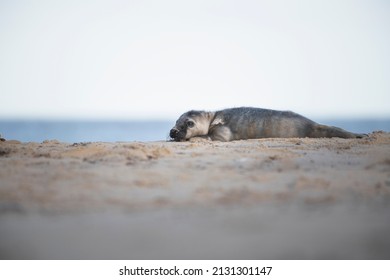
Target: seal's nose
pixel 173 133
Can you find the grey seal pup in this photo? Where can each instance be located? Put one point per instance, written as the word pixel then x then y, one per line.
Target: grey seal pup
pixel 251 123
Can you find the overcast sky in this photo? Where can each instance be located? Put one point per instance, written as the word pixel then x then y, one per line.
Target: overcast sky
pixel 156 59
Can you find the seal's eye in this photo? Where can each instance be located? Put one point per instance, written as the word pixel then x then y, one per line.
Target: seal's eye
pixel 190 124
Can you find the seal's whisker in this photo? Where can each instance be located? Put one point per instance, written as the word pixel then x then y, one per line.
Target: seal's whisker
pixel 168 138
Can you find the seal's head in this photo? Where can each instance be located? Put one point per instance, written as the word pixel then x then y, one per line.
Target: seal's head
pixel 190 124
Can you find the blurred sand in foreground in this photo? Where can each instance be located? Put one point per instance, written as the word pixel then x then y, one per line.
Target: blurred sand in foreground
pixel 254 199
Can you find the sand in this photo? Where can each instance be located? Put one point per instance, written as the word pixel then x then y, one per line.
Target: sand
pixel 254 199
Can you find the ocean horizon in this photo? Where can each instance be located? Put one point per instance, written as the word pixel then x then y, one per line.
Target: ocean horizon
pixel 73 131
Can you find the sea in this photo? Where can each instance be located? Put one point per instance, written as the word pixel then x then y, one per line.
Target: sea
pixel 125 131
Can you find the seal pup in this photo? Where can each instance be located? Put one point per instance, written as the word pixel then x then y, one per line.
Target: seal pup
pixel 251 123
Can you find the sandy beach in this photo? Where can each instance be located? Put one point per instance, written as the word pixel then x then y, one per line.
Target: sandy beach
pixel 254 199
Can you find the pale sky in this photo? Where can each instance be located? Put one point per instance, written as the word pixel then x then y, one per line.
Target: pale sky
pixel 156 59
